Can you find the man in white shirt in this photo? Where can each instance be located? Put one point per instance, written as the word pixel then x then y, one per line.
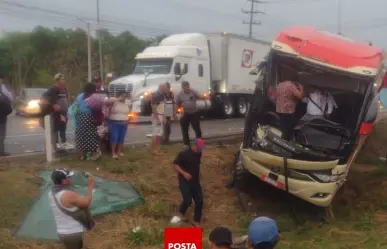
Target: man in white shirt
pixel 319 104
pixel 3 118
pixel 67 205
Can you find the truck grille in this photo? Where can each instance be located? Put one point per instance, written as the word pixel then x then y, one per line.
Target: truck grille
pixel 115 88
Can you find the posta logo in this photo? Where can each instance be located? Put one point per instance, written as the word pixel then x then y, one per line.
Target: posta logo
pixel 183 238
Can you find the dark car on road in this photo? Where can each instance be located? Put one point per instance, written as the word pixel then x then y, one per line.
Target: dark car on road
pixel 27 103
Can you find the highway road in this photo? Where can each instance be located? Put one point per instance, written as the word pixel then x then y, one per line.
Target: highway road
pixel 24 135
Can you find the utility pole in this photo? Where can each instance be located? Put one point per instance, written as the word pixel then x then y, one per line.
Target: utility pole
pixel 100 45
pixel 339 17
pixel 88 52
pixel 252 12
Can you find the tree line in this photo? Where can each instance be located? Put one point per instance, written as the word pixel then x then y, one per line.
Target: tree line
pixel 31 59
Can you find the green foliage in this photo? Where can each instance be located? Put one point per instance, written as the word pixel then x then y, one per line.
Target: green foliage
pixel 31 59
pixel 140 236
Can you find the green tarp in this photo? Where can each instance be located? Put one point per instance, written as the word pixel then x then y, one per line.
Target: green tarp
pixel 108 196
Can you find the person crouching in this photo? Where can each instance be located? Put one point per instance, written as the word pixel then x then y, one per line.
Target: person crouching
pixel 71 210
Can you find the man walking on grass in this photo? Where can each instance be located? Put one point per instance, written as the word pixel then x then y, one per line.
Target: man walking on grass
pixel 187 165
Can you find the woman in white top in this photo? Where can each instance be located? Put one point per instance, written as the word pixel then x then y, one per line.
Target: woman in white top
pixel 118 124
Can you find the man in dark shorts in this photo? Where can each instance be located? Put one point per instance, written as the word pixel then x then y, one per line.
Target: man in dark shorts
pixel 187 165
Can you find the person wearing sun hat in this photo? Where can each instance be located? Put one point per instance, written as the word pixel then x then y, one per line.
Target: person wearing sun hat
pixel 187 165
pixel 70 210
pixel 263 233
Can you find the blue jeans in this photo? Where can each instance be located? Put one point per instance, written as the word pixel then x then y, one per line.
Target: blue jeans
pixel 117 131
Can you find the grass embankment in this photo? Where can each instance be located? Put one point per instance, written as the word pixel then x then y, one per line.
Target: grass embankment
pixel 360 208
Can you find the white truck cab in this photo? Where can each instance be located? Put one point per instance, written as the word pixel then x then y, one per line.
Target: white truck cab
pixel 187 57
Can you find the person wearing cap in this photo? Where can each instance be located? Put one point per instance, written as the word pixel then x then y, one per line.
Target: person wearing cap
pixel 263 233
pixel 187 100
pixel 220 238
pixel 67 205
pixel 4 116
pixel 55 103
pixel 187 165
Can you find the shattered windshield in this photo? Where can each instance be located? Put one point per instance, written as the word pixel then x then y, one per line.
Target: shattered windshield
pixel 153 66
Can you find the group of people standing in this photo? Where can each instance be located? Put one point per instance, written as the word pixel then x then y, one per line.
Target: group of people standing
pixel 99 120
pixel 95 118
pixel 164 108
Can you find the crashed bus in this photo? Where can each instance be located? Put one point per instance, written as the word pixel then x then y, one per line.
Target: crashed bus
pixel 315 163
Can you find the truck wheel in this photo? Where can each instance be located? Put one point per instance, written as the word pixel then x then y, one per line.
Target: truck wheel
pixel 243 106
pixel 228 108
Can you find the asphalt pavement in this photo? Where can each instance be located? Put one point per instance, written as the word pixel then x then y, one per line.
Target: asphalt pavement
pixel 25 136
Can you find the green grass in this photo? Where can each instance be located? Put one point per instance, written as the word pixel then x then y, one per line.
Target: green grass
pixel 361 221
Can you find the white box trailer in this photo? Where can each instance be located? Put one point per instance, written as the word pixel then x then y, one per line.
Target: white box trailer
pixel 215 65
pixel 232 56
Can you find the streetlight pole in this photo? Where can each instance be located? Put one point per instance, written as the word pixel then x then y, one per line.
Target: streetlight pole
pixel 88 49
pixel 88 52
pixel 100 45
pixel 339 16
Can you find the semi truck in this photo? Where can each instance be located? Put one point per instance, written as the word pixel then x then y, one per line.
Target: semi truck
pixel 216 66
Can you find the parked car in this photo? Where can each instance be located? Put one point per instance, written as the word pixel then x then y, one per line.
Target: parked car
pixel 27 103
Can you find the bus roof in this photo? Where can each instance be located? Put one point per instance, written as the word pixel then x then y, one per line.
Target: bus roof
pixel 330 50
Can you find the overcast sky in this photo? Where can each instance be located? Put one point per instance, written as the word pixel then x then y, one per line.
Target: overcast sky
pixel 361 19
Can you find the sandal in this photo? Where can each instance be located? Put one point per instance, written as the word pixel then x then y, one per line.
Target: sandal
pixel 82 158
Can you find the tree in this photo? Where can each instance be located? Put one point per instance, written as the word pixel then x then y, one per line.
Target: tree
pixel 31 59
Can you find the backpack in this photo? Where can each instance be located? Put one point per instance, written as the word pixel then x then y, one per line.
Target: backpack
pixel 5 103
pixel 46 102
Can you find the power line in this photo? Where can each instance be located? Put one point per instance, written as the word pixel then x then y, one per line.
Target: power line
pixel 252 12
pixel 73 18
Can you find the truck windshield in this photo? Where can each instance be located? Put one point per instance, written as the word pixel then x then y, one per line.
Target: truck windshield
pixel 153 66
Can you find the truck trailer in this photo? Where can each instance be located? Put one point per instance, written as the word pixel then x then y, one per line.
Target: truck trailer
pixel 215 65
